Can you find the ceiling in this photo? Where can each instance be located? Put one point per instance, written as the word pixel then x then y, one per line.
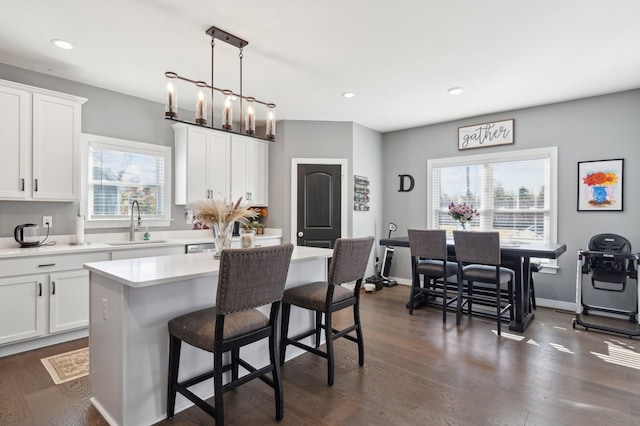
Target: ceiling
pixel 399 57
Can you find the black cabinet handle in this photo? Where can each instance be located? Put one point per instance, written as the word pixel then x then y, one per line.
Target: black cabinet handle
pixel 46 265
pixel 22 184
pixel 36 185
pixel 53 283
pixel 39 289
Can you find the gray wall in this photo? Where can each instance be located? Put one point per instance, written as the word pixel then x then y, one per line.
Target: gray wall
pixel 596 128
pixel 303 139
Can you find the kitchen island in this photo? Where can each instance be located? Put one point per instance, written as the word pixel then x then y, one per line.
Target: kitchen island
pixel 131 302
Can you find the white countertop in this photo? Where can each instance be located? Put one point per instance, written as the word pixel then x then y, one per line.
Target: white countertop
pixel 151 271
pixel 100 242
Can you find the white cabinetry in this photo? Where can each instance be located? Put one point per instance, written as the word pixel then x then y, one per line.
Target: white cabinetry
pixel 68 300
pixel 40 134
pixel 22 307
pixel 44 295
pixel 201 163
pixel 249 170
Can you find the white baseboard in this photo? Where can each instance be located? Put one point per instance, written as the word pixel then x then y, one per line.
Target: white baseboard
pixel 27 345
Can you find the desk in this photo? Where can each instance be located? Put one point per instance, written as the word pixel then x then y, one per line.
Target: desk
pixel 516 256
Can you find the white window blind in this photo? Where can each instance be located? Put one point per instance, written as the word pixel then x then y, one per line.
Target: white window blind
pixel 515 193
pixel 119 172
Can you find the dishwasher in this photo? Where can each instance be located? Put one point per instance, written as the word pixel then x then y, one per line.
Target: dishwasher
pixel 200 248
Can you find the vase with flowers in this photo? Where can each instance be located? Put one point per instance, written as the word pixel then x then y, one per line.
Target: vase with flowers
pixel 462 213
pixel 600 184
pixel 220 215
pixel 257 221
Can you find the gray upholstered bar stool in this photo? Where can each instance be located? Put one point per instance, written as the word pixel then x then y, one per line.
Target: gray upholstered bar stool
pixel 247 279
pixel 348 264
pixel 429 259
pixel 480 251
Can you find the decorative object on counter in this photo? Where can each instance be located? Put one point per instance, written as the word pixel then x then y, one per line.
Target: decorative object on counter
pixel 247 238
pixel 600 185
pixel 220 215
pixel 257 222
pixel 462 213
pixel 147 235
pixel 247 122
pixel 360 193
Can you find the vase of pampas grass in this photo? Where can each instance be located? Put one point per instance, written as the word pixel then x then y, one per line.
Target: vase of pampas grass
pixel 220 215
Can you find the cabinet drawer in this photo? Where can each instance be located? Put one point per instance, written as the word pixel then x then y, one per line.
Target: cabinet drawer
pixel 45 264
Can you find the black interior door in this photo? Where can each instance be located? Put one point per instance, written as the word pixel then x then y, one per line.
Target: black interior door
pixel 319 199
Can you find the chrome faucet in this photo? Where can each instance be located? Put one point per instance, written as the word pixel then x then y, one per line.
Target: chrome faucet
pixel 133 227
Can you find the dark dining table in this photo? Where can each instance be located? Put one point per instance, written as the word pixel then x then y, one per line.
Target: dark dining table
pixel 516 256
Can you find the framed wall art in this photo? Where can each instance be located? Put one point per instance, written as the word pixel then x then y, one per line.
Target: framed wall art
pixel 600 185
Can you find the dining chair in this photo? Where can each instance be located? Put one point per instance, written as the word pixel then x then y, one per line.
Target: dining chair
pixel 534 266
pixel 348 264
pixel 429 259
pixel 478 256
pixel 247 279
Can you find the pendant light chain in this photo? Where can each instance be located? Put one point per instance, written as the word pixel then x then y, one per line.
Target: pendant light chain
pixel 213 45
pixel 241 97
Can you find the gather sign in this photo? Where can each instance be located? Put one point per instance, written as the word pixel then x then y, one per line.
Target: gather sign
pixel 486 134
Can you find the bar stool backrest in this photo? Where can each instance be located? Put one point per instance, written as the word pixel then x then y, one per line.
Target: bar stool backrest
pixel 428 243
pixel 254 277
pixel 477 247
pixel 349 261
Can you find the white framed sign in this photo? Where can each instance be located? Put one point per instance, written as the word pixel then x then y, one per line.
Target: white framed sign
pixel 485 134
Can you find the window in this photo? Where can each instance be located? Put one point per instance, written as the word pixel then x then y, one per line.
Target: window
pixel 116 172
pixel 515 193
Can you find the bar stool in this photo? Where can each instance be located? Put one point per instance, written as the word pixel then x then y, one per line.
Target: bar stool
pixel 247 279
pixel 348 264
pixel 481 252
pixel 429 258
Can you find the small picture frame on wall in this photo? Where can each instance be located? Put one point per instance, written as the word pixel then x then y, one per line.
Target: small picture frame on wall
pixel 600 185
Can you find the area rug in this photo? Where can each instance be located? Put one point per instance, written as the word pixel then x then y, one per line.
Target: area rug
pixel 67 366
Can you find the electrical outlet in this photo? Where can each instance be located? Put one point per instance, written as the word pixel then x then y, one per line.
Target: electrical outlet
pixel 47 222
pixel 105 309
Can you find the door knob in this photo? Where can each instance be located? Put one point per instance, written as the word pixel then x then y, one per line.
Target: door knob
pixel 300 234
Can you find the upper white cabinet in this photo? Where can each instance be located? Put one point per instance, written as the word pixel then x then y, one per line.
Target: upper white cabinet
pixel 201 163
pixel 40 132
pixel 249 170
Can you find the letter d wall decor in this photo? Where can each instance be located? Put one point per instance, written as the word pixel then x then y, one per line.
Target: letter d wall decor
pixel 403 179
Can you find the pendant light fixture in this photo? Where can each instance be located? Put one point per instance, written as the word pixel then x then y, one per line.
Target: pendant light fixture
pixel 248 107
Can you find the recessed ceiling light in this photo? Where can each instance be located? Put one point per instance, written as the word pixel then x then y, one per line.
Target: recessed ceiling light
pixel 62 44
pixel 348 95
pixel 455 90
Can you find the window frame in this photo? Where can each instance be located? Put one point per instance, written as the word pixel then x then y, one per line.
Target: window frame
pixel 127 146
pixel 549 265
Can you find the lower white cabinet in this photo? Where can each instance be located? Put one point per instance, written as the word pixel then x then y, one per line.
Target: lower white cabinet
pixel 51 297
pixel 68 300
pixel 22 307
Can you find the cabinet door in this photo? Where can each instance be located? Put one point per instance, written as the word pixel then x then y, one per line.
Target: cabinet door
pixel 257 172
pixel 22 303
pixel 68 300
pixel 239 146
pixel 219 170
pixel 56 158
pixel 197 164
pixel 15 134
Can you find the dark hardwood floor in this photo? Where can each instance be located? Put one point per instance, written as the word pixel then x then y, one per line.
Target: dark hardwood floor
pixel 418 371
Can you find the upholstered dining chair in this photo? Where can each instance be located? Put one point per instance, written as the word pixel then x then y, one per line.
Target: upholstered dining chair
pixel 348 264
pixel 247 279
pixel 429 259
pixel 478 256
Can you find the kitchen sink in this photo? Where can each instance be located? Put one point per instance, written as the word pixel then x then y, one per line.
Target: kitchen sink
pixel 135 243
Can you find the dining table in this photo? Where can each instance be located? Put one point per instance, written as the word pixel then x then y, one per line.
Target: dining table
pixel 517 256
